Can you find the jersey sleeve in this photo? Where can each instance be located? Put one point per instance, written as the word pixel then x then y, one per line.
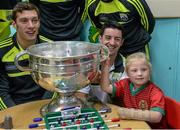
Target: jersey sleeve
pixel 146 17
pixel 118 88
pixel 157 101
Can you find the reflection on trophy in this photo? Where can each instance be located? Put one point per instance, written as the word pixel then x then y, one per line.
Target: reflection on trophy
pixel 63 67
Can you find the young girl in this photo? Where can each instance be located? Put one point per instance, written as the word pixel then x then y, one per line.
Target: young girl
pixel 142 99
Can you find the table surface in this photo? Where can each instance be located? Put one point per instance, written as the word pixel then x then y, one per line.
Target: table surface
pixel 24 114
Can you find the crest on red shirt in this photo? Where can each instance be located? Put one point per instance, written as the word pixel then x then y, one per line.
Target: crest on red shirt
pixel 143 105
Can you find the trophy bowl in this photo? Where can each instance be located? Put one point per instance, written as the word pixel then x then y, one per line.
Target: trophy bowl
pixel 63 67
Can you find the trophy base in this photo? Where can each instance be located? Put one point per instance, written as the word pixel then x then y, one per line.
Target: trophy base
pixel 58 104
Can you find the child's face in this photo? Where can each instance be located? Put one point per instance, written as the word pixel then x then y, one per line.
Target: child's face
pixel 138 72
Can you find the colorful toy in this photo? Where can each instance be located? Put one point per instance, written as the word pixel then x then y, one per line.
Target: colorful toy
pixel 85 118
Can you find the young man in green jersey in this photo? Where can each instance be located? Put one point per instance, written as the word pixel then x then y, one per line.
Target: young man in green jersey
pixel 18 87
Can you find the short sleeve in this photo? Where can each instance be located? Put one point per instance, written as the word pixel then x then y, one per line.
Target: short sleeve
pixel 119 87
pixel 157 101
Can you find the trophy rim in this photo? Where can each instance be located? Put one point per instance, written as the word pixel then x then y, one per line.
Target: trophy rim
pixel 96 50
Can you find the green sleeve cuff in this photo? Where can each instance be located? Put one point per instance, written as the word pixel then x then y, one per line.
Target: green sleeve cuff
pixel 113 91
pixel 159 110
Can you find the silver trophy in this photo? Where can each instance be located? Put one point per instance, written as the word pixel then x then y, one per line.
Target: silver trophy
pixel 63 67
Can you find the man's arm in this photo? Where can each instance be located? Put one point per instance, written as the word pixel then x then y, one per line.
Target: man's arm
pixel 146 16
pixel 5 98
pixel 105 82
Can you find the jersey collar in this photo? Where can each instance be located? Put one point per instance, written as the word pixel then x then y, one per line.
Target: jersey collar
pixel 137 90
pixel 15 42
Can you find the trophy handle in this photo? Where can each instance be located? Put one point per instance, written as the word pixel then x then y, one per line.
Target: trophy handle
pixel 104 53
pixel 16 59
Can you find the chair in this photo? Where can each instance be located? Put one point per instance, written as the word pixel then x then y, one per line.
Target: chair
pixel 172 108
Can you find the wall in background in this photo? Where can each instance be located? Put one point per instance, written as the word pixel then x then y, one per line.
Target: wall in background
pixel 165 8
pixel 165 46
pixel 165 56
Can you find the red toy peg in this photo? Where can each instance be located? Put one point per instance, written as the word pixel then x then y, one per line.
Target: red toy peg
pixel 78 122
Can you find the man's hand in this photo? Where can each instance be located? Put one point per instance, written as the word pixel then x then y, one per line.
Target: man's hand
pixel 97 77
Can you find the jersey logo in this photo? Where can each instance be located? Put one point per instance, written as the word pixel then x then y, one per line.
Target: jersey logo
pixel 124 17
pixel 143 105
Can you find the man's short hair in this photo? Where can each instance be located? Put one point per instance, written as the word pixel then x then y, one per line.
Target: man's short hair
pixel 22 6
pixel 111 24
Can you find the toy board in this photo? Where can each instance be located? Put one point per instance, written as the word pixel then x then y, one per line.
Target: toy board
pixel 84 119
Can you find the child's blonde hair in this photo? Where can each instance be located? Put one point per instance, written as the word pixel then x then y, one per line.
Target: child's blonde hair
pixel 137 56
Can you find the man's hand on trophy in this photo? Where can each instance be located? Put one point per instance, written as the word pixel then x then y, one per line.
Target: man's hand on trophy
pixel 95 77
